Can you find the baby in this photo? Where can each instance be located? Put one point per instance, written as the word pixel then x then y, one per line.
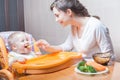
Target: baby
pixel 20 48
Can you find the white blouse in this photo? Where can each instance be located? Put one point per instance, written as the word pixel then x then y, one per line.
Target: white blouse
pixel 95 38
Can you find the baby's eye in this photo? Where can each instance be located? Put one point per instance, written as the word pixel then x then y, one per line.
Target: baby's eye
pixel 22 40
pixel 27 40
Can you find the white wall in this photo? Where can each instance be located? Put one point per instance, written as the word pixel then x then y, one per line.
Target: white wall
pixel 108 11
pixel 40 21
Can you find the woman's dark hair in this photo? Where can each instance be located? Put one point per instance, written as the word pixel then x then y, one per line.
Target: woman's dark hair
pixel 74 5
pixel 97 17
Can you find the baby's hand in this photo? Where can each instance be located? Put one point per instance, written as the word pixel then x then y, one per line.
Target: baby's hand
pixel 21 60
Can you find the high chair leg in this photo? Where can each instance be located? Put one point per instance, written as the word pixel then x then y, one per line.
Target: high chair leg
pixel 6 75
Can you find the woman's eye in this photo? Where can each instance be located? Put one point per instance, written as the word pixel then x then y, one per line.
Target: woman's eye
pixel 56 15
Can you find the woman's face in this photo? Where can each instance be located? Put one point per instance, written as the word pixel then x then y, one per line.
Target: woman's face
pixel 22 44
pixel 61 17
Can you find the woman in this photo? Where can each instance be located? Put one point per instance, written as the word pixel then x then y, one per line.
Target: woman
pixel 88 35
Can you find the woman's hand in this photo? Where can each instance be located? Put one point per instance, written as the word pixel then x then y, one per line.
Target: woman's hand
pixel 43 44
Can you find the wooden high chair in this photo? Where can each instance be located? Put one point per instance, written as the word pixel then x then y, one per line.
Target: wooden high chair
pixel 46 63
pixel 4 50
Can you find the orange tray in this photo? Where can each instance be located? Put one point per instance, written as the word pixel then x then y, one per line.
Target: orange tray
pixel 48 63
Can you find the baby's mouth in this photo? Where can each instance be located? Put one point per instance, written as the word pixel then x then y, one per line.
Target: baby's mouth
pixel 27 46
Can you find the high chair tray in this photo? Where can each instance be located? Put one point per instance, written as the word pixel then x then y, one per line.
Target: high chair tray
pixel 48 63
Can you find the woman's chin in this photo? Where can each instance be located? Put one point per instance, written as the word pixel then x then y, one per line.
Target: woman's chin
pixel 64 25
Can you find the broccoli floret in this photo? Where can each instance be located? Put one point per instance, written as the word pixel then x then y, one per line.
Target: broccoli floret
pixel 91 69
pixel 85 68
pixel 82 63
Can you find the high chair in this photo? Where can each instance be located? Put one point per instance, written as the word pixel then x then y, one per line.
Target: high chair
pixel 43 64
pixel 4 50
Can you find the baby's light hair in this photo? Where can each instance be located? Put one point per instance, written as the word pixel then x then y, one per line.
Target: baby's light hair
pixel 12 38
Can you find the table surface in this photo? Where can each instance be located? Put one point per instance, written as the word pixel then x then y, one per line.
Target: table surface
pixel 70 74
pixel 116 71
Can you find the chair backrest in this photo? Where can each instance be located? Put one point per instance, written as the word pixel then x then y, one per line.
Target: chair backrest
pixel 6 34
pixel 4 47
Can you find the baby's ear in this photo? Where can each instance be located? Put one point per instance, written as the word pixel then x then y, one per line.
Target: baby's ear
pixel 13 47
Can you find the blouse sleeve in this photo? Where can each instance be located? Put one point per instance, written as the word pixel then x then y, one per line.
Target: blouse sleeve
pixel 103 39
pixel 67 45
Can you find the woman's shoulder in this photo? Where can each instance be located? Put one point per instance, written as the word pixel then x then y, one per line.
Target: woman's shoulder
pixel 95 23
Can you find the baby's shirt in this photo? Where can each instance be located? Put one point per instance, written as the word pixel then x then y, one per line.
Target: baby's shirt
pixel 13 57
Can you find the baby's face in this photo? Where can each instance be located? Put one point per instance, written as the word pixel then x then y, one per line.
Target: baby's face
pixel 22 44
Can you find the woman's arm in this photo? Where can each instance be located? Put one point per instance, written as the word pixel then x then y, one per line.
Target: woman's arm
pixel 104 40
pixel 43 44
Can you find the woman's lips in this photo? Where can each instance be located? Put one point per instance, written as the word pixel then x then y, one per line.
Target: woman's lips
pixel 61 22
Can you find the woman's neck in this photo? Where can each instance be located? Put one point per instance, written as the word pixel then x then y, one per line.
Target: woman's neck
pixel 80 21
pixel 78 25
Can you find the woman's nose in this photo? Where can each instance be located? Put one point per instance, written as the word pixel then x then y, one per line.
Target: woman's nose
pixel 56 19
